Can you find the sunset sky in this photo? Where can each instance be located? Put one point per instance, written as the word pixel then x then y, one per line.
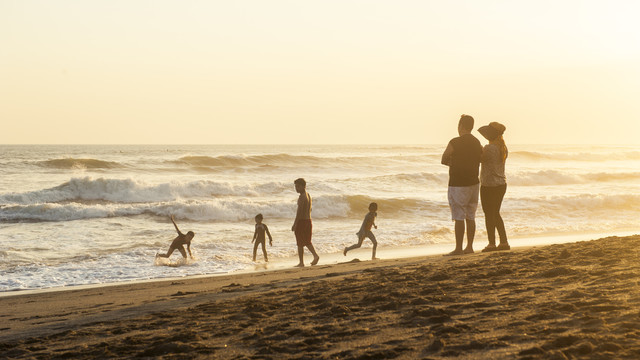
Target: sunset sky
pixel 322 72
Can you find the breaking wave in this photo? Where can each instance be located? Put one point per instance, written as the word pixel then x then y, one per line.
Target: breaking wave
pixel 87 198
pixel 133 191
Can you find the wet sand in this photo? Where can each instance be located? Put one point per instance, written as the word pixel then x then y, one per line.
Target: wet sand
pixel 573 300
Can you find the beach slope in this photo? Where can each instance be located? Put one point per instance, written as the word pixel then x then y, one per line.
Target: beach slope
pixel 575 300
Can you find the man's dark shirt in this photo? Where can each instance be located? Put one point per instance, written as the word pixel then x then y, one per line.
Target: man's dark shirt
pixel 465 161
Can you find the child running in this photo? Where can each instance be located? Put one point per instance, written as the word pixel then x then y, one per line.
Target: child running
pixel 179 242
pixel 365 231
pixel 259 238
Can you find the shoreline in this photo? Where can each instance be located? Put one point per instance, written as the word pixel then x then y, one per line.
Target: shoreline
pixel 575 299
pixel 337 258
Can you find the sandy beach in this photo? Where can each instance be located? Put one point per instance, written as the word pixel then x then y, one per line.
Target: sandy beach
pixel 575 300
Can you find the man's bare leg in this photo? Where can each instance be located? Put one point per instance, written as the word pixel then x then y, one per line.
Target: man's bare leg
pixel 471 233
pixel 301 256
pixel 315 255
pixel 459 230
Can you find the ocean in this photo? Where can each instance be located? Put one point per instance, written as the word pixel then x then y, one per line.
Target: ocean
pixel 91 214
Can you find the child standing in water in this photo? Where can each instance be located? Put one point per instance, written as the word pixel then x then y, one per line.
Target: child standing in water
pixel 365 231
pixel 179 242
pixel 259 238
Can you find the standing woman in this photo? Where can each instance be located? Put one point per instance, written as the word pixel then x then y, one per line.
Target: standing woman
pixel 493 184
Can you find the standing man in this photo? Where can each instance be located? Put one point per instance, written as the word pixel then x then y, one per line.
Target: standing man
pixel 302 225
pixel 463 156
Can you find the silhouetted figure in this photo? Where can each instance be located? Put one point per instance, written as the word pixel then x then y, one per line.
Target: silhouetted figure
pixel 302 225
pixel 493 184
pixel 463 155
pixel 259 238
pixel 365 231
pixel 179 242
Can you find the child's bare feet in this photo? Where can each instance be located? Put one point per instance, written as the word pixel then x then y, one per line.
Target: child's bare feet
pixel 315 260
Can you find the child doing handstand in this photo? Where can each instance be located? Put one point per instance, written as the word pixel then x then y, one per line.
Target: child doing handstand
pixel 179 242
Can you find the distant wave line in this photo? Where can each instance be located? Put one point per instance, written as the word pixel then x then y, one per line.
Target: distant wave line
pixel 579 156
pixel 555 177
pixel 288 159
pixel 72 163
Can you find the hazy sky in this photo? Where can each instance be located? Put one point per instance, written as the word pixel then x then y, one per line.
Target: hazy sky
pixel 325 71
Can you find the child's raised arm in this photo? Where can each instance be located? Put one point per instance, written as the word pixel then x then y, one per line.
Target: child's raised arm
pixel 174 224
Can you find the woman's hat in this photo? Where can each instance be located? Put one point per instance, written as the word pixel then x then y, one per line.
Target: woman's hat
pixel 492 131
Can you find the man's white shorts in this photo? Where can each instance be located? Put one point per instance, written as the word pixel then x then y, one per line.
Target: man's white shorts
pixel 463 201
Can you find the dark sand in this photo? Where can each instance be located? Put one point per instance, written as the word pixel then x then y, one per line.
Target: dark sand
pixel 575 301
